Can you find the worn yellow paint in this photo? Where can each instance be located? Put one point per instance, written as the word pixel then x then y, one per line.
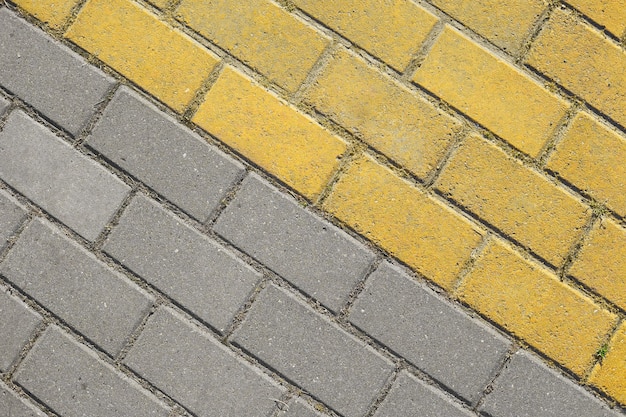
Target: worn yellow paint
pixel 384 114
pixel 259 33
pixel 390 30
pixel 601 264
pixel 491 91
pixel 611 14
pixel 610 374
pixel 270 133
pixel 54 13
pixel 163 61
pixel 416 229
pixel 531 302
pixel 576 56
pixel 515 199
pixel 592 157
pixel 506 23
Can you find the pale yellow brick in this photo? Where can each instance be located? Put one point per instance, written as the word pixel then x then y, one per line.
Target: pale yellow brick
pixel 418 230
pixel 270 133
pixel 52 12
pixel 610 374
pixel 259 33
pixel 491 91
pixel 608 13
pixel 531 302
pixel 506 23
pixel 576 56
pixel 392 119
pixel 601 264
pixel 391 30
pixel 161 4
pixel 593 159
pixel 516 200
pixel 163 61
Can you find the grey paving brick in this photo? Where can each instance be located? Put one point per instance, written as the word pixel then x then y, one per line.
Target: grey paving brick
pixel 428 331
pixel 198 371
pixel 528 388
pixel 17 324
pixel 198 273
pixel 11 405
pixel 298 408
pixel 70 282
pixel 316 355
pixel 48 75
pixel 163 154
pixel 70 379
pixel 4 104
pixel 12 214
pixel 311 253
pixel 412 397
pixel 68 185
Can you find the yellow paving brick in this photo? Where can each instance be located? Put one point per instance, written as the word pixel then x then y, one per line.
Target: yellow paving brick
pixel 52 12
pixel 531 302
pixel 384 114
pixel 592 158
pixel 260 34
pixel 506 23
pixel 576 56
pixel 416 229
pixel 490 91
pixel 161 4
pixel 601 264
pixel 513 198
pixel 390 30
pixel 270 133
pixel 610 14
pixel 165 62
pixel 610 375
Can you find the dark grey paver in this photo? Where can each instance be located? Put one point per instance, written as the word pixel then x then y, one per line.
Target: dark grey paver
pixel 71 187
pixel 12 214
pixel 298 408
pixel 429 332
pixel 17 324
pixel 411 397
pixel 4 104
pixel 308 349
pixel 317 257
pixel 528 388
pixel 198 371
pixel 71 380
pixel 11 405
pixel 166 156
pixel 71 283
pixel 197 272
pixel 48 75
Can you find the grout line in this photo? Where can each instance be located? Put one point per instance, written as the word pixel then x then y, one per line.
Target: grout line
pixel 608 338
pixel 241 314
pixel 200 94
pixel 95 118
pixel 559 133
pixel 419 57
pixel 498 371
pixel 384 391
pixel 106 230
pixel 134 335
pixel 41 327
pixel 320 65
pixel 34 401
pixel 6 248
pixel 344 311
pixel 577 246
pixel 534 33
pixel 229 196
pixel 455 144
pixel 469 264
pixel 72 17
pixel 352 153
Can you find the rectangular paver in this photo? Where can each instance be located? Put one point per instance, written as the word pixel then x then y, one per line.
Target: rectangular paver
pixel 74 285
pixel 162 60
pixel 74 382
pixel 314 255
pixel 269 132
pixel 68 185
pixel 491 91
pixel 393 31
pixel 429 332
pixel 156 149
pixel 198 371
pixel 409 396
pixel 198 273
pixel 259 33
pixel 608 375
pixel 48 75
pixel 17 324
pixel 12 214
pixel 403 220
pixel 386 115
pixel 12 405
pixel 532 303
pixel 516 200
pixel 312 352
pixel 528 388
pixel 576 56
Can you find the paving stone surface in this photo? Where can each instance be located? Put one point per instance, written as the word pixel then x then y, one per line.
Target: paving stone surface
pixel 14 406
pixel 298 408
pixel 12 214
pixel 4 104
pixel 17 325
